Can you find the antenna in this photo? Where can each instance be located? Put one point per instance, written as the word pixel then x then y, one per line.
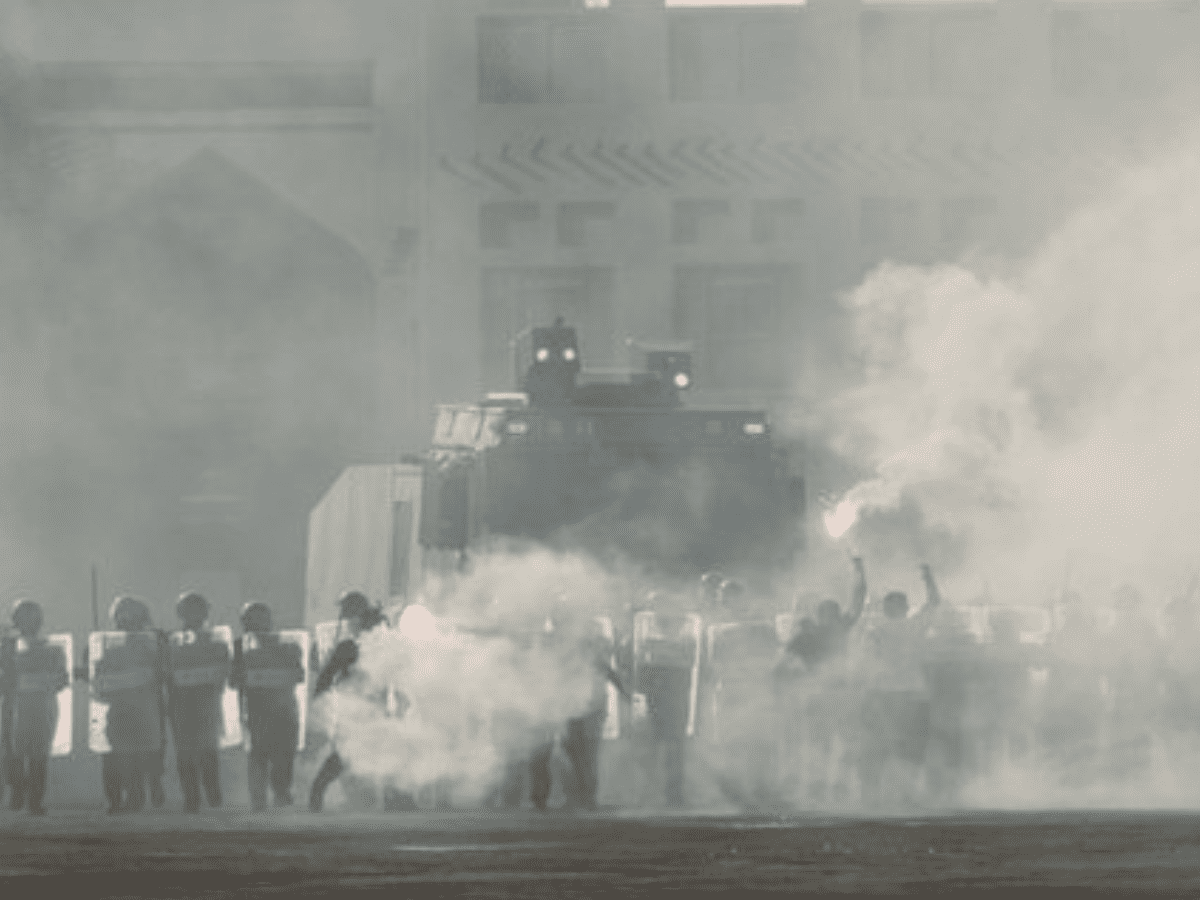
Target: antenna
pixel 95 599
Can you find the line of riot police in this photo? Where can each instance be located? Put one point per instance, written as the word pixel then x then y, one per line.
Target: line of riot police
pixel 196 685
pixel 869 704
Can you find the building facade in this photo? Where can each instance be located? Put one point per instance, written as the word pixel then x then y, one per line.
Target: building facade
pixel 335 213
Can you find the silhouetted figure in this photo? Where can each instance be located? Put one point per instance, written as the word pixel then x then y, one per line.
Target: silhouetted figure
pixel 896 715
pixel 34 672
pixel 130 678
pixel 266 671
pixel 199 669
pixel 360 617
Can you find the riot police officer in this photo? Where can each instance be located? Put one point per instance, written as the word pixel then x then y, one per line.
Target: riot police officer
pixel 359 617
pixel 130 679
pixel 35 671
pixel 266 671
pixel 199 669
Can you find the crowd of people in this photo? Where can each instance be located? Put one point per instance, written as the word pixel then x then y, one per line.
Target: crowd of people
pixel 854 705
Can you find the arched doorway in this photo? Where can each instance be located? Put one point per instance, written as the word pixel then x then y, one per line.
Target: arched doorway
pixel 217 363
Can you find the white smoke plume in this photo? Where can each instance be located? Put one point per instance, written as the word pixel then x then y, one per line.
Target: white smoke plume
pixel 1047 416
pixel 496 670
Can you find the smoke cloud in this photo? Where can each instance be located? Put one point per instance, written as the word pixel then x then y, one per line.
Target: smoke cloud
pixel 1021 422
pixel 497 671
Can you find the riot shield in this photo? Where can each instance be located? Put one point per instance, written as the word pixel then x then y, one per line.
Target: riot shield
pixel 270 663
pixel 125 710
pixel 660 644
pixel 195 663
pixel 42 679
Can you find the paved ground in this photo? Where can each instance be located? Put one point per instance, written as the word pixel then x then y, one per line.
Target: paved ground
pixel 232 854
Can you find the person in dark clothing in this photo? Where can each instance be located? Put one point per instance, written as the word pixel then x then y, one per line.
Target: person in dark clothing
pixel 359 616
pixel 829 635
pixel 581 743
pixel 199 669
pixel 664 673
pixel 266 671
pixel 35 671
pixel 896 710
pixel 130 677
pixel 813 697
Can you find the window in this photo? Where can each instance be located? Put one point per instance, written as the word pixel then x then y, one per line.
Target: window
pixel 963 53
pixel 717 57
pixel 737 316
pixel 769 54
pixel 530 59
pixel 1132 51
pixel 895 54
pixel 496 219
pixel 777 221
pixel 1089 51
pixel 688 218
pixel 920 52
pixel 577 221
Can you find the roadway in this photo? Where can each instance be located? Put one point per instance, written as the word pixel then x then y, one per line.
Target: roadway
pixel 232 853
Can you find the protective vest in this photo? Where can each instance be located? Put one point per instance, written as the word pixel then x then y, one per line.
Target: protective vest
pixel 198 660
pixel 272 664
pixel 127 678
pixel 39 668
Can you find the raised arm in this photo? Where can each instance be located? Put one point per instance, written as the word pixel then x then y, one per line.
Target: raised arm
pixel 859 598
pixel 933 597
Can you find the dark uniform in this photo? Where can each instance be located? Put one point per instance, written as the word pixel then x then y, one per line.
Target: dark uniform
pixel 814 695
pixel 266 671
pixel 199 670
pixel 357 610
pixel 130 677
pixel 664 668
pixel 583 737
pixel 35 671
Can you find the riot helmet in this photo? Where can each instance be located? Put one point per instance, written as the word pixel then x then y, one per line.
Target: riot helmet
pixel 353 604
pixel 356 608
pixel 192 608
pixel 710 584
pixel 256 616
pixel 895 605
pixel 27 617
pixel 731 591
pixel 828 612
pixel 130 614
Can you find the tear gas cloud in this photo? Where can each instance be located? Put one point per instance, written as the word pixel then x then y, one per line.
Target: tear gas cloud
pixel 500 664
pixel 1044 418
pixel 1014 427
